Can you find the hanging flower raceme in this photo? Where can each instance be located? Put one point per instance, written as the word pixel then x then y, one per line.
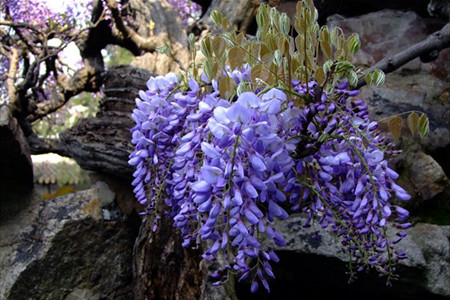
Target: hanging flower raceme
pixel 226 170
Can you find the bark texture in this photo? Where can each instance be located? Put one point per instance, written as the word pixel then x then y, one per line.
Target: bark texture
pixel 163 269
pixel 103 143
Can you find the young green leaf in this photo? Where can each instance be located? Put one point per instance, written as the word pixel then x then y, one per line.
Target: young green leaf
pixel 413 121
pixel 218 46
pixel 227 86
pixel 378 77
pixel 319 75
pixel 368 78
pixel 395 125
pixel 206 47
pixel 352 78
pixel 423 126
pixel 216 17
pixel 353 43
pixel 236 57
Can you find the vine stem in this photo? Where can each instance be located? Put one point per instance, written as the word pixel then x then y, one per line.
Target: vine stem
pixel 398 115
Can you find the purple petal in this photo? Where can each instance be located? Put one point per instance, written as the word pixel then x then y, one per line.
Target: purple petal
pixel 271 107
pixel 258 183
pixel 237 197
pixel 135 160
pixel 220 113
pixel 257 163
pixel 250 216
pixel 183 149
pixel 400 193
pixel 217 129
pixel 387 211
pixel 359 188
pixel 274 94
pixel 250 190
pixel 248 99
pixel 201 186
pixel 210 150
pixel 193 85
pixel 215 210
pixel 239 113
pixel 277 211
pixel 254 287
pixel 211 174
pixel 325 176
pixel 401 211
pixel 205 206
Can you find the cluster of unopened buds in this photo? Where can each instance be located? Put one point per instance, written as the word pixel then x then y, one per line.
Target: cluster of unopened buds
pixel 226 170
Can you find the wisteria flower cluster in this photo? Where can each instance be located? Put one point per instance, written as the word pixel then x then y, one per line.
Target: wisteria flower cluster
pixel 188 10
pixel 226 170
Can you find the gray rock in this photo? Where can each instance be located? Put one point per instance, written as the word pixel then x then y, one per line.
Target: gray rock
pixel 380 31
pixel 427 247
pixel 427 175
pixel 62 248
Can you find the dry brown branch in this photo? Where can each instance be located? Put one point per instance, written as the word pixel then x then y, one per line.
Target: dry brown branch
pixel 435 42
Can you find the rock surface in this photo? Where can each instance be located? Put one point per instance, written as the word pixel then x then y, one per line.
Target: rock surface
pixel 67 247
pixel 424 275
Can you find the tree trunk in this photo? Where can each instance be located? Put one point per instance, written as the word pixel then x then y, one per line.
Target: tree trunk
pixel 103 143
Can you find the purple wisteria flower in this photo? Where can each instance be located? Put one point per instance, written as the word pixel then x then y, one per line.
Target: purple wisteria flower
pixel 226 170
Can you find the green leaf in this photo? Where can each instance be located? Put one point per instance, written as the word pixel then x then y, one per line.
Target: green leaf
pixel 352 78
pixel 227 87
pixel 368 78
pixel 327 66
pixel 278 57
pixel 206 47
pixel 259 72
pixel 319 75
pixel 219 46
pixel 211 68
pixel 413 121
pixel 285 24
pixel 266 55
pixel 325 46
pixel 262 18
pixel 236 57
pixel 395 125
pixel 255 72
pixel 336 36
pixel 378 77
pixel 243 87
pixel 240 38
pixel 353 43
pixel 191 40
pixel 216 17
pixel 423 126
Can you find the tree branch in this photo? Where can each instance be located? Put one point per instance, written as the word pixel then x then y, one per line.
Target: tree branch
pixel 13 58
pixel 45 145
pixel 136 43
pixel 435 42
pixel 85 79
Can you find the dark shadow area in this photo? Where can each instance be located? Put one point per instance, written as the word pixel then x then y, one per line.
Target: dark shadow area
pixel 441 155
pixel 311 277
